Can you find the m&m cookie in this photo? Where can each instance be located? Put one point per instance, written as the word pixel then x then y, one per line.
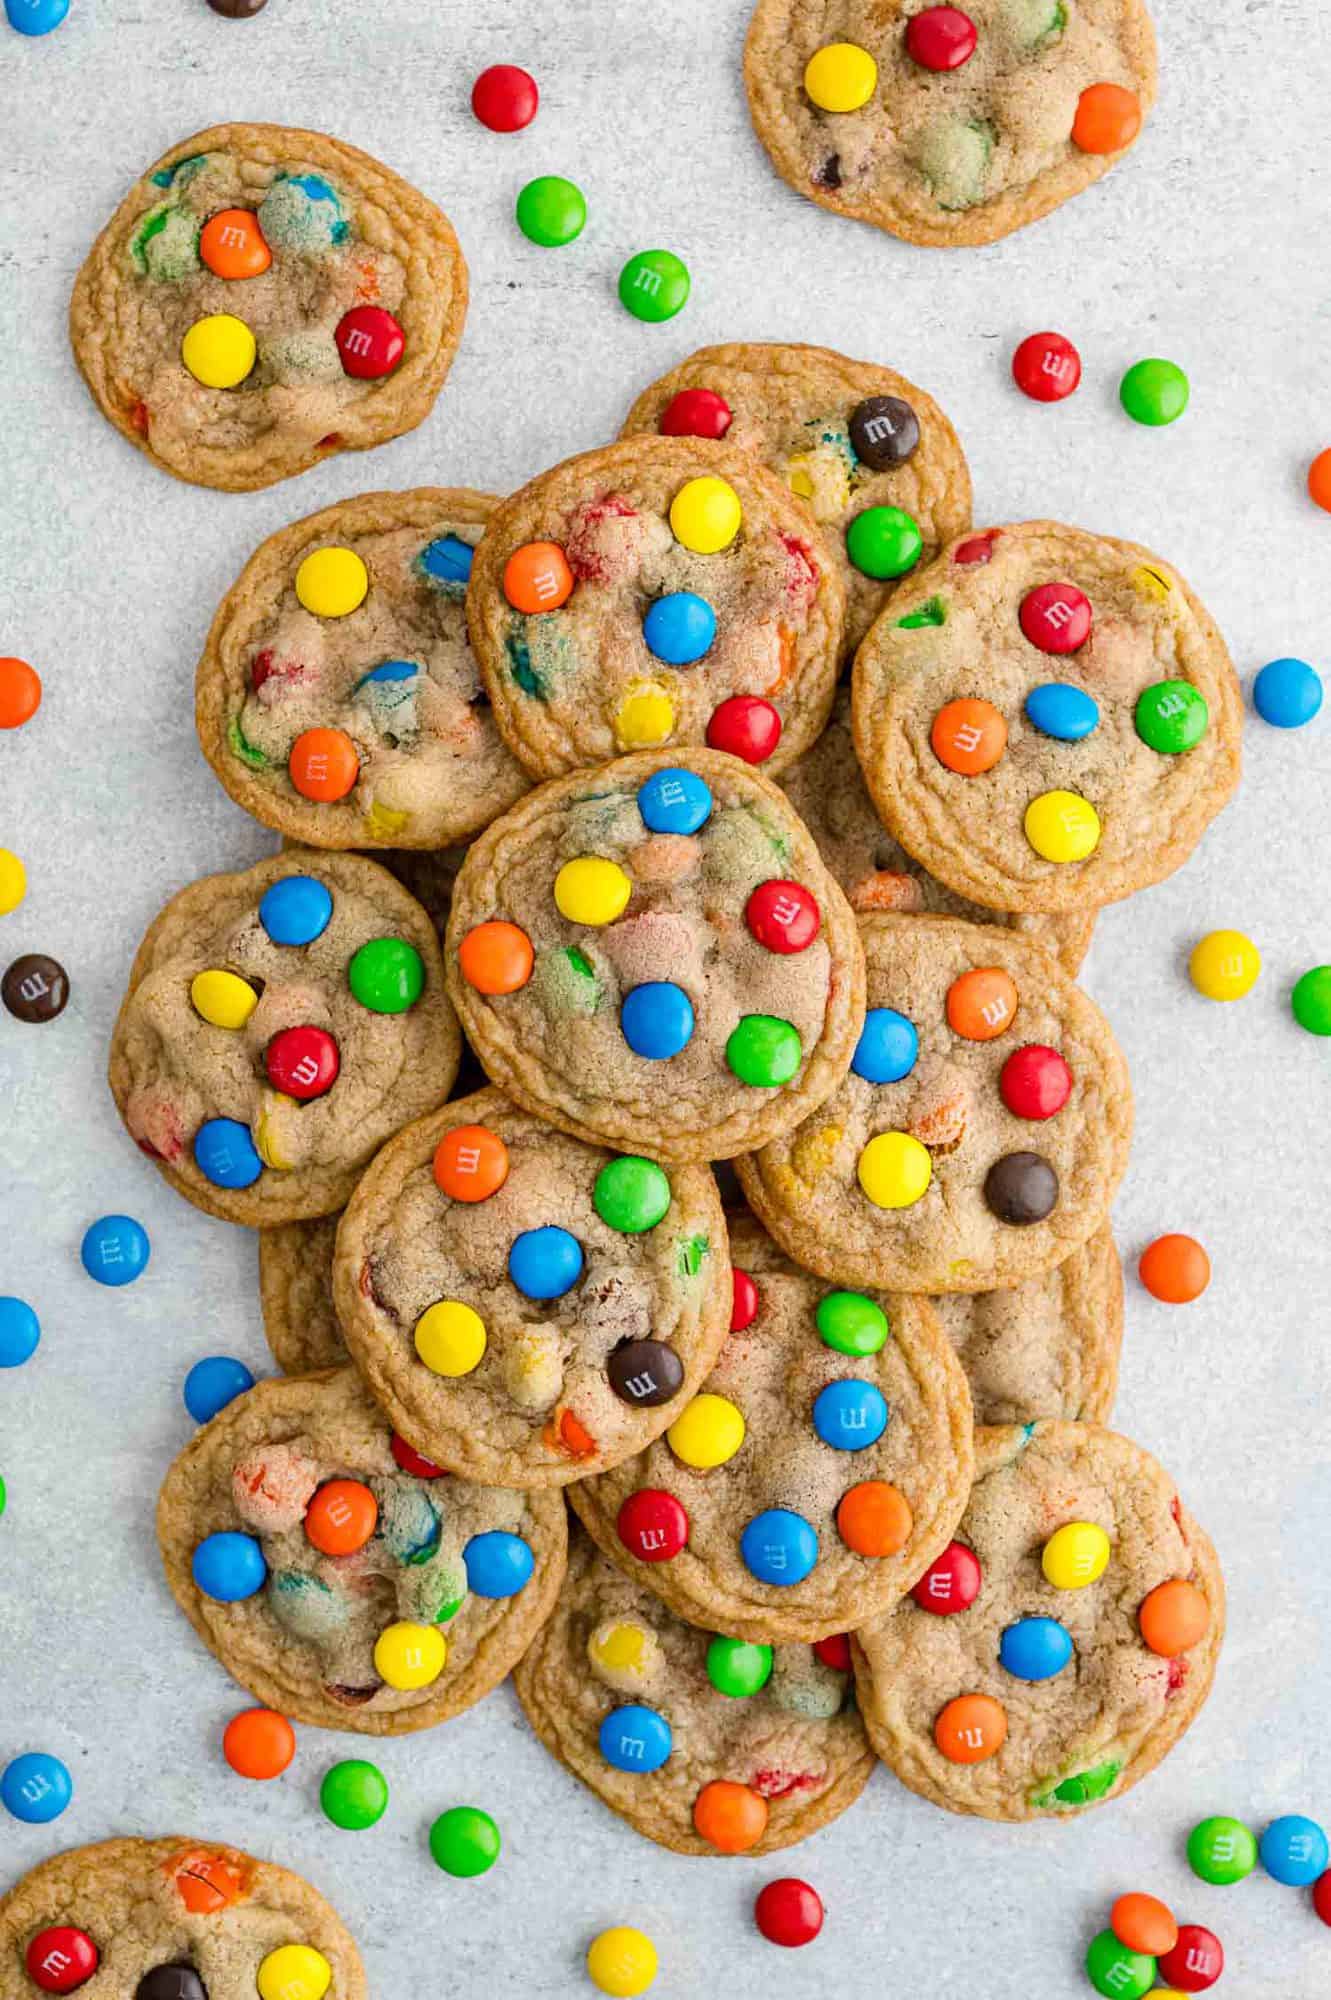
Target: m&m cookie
pixel 173 1919
pixel 824 1465
pixel 948 125
pixel 1047 719
pixel 338 1576
pixel 296 1295
pixel 338 699
pixel 661 591
pixel 1064 1642
pixel 702 1742
pixel 280 1024
pixel 827 790
pixel 652 956
pixel 528 1308
pixel 980 1133
pixel 263 298
pixel 872 457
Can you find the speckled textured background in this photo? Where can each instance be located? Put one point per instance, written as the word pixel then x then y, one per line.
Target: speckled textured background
pixel 1209 246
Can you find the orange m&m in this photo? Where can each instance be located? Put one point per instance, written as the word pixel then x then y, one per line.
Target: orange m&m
pixel 20 693
pixel 968 736
pixel 971 1729
pixel 1108 118
pixel 874 1519
pixel 341 1517
pixel 470 1163
pixel 232 244
pixel 259 1743
pixel 323 764
pixel 1319 480
pixel 537 577
pixel 206 1882
pixel 1175 1269
pixel 982 1004
pixel 1173 1618
pixel 1144 1923
pixel 496 957
pixel 731 1816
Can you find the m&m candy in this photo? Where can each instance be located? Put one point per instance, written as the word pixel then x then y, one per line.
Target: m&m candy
pixel 941 38
pixel 1175 1269
pixel 35 1787
pixel 115 1250
pixel 645 718
pixel 1035 1649
pixel 1062 826
pixel 1310 1001
pixel 851 1323
pixel 470 1163
pixel 656 1020
pixel 654 285
pixel 621 1962
pixel 730 1816
pixel 783 916
pixel 779 1546
pixel 738 1668
pixel 695 413
pixel 332 582
pixel 258 1743
pixel 38 17
pixel 551 211
pixel 788 1912
pixel 1066 713
pixel 894 1170
pixel 951 1583
pixel 411 1460
pixel 743 1300
pixel 213 1383
pixel 1222 1850
pixel 35 988
pixel 1294 1850
pixel 225 1153
pixel 1046 367
pixel 888 1047
pixel 1286 693
pixel 223 999
pixel 874 1518
pixel 20 1331
pixel 1154 392
pixel 1224 965
pixel 981 1004
pixel 834 1652
pixel 409 1656
pixel 645 1373
pixel 1021 1189
pixel 631 1194
pixel 850 1415
pixel 296 909
pixel 840 76
pixel 13 881
pixel 884 542
pixel 1075 1555
pixel 708 1433
pixel 1143 1923
pixel 679 628
pixel 884 432
pixel 232 246
pixel 706 515
pixel 61 1958
pixel 968 736
pixel 970 1729
pixel 370 343
pixel 294 1972
pixel 1319 480
pixel 545 1263
pixel 354 1794
pixel 537 578
pixel 1056 617
pixel 592 891
pixel 464 1841
pixel 450 1338
pixel 1195 1962
pixel 219 351
pixel 499 1564
pixel 20 692
pixel 674 801
pixel 505 98
pixel 229 1567
pixel 302 1062
pixel 341 1517
pixel 1035 1082
pixel 1171 717
pixel 764 1051
pixel 744 725
pixel 1118 1971
pixel 496 957
pixel 653 1525
pixel 1174 1617
pixel 387 975
pixel 635 1738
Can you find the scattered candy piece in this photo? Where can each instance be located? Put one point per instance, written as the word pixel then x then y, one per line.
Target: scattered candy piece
pixel 1195 1962
pixel 1224 965
pixel 788 1912
pixel 294 1972
pixel 219 351
pixel 354 1794
pixel 737 1668
pixel 35 988
pixel 968 736
pixel 732 1817
pixel 464 1841
pixel 20 1331
pixel 259 1743
pixel 1294 1850
pixel 38 17
pixel 1108 118
pixel 622 1962
pixel 20 684
pixel 1116 1970
pixel 745 726
pixel 505 98
pixel 1175 1269
pixel 1046 367
pixel 971 1729
pixel 229 1567
pixel 654 285
pixel 213 1383
pixel 1075 1555
pixel 332 582
pixel 237 10
pixel 941 38
pixel 1319 480
pixel 115 1250
pixel 884 542
pixel 1144 1923
pixel 1154 392
pixel 551 211
pixel 35 1787
pixel 841 76
pixel 1322 1897
pixel 1311 1000
pixel 1286 693
pixel 13 881
pixel 1222 1850
pixel 744 1300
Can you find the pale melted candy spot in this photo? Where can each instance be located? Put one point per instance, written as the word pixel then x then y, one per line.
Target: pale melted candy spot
pixel 534 1368
pixel 953 158
pixel 625 1656
pixel 802 1685
pixel 302 213
pixel 272 1489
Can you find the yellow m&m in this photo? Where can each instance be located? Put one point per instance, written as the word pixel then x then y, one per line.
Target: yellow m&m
pixel 894 1170
pixel 1075 1555
pixel 294 1972
pixel 224 999
pixel 709 1432
pixel 645 720
pixel 332 582
pixel 267 1136
pixel 841 76
pixel 622 1962
pixel 623 1653
pixel 450 1337
pixel 1224 965
pixel 409 1656
pixel 1062 826
pixel 13 881
pixel 592 891
pixel 705 515
pixel 219 351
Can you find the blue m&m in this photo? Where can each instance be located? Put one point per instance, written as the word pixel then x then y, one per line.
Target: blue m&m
pixel 1294 1850
pixel 635 1738
pixel 447 561
pixel 674 801
pixel 390 672
pixel 115 1250
pixel 1067 713
pixel 657 1019
pixel 887 1048
pixel 779 1547
pixel 36 1787
pixel 679 628
pixel 850 1415
pixel 1287 693
pixel 225 1154
pixel 498 1564
pixel 213 1383
pixel 545 1263
pixel 296 910
pixel 20 1331
pixel 229 1566
pixel 1035 1649
pixel 36 17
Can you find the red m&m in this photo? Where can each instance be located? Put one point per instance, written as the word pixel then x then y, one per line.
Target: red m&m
pixel 302 1063
pixel 834 1652
pixel 370 342
pixel 746 726
pixel 783 916
pixel 941 38
pixel 1056 617
pixel 744 1304
pixel 951 1582
pixel 411 1460
pixel 698 413
pixel 1196 1961
pixel 653 1525
pixel 788 1912
pixel 1046 367
pixel 1035 1082
pixel 505 98
pixel 61 1959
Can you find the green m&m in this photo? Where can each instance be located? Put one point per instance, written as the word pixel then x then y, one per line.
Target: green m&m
pixel 851 1323
pixel 1154 392
pixel 354 1794
pixel 551 211
pixel 1171 717
pixel 654 285
pixel 1115 1971
pixel 631 1194
pixel 736 1668
pixel 884 542
pixel 764 1051
pixel 1311 1001
pixel 1222 1850
pixel 387 975
pixel 464 1841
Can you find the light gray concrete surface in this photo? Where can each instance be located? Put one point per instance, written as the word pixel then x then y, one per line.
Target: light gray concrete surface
pixel 1208 245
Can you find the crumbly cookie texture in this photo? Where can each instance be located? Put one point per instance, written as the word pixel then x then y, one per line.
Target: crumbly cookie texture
pixel 395 678
pixel 305 1644
pixel 772 1371
pixel 1048 1347
pixel 578 683
pixel 174 1072
pixel 1112 1713
pixel 796 1747
pixel 944 157
pixel 556 1042
pixel 827 789
pixel 152 1904
pixel 1152 646
pixel 564 1386
pixel 974 1196
pixel 792 406
pixel 296 1295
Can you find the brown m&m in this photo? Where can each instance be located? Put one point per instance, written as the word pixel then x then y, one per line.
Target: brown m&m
pixel 35 987
pixel 884 431
pixel 645 1373
pixel 171 1982
pixel 1021 1188
pixel 237 10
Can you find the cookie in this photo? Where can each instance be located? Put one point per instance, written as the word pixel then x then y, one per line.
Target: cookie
pixel 528 1308
pixel 942 126
pixel 653 956
pixel 827 789
pixel 1062 1645
pixel 980 1134
pixel 263 298
pixel 1048 1347
pixel 172 1919
pixel 340 1578
pixel 850 438
pixel 338 699
pixel 1047 719
pixel 296 1295
pixel 662 590
pixel 280 1024
pixel 704 1745
pixel 824 1466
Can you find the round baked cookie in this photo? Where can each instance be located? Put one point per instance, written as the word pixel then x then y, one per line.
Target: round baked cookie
pixel 1048 719
pixel 827 789
pixel 1048 1347
pixel 296 1295
pixel 947 131
pixel 825 1465
pixel 338 698
pixel 371 1598
pixel 980 1134
pixel 693 1765
pixel 662 590
pixel 653 955
pixel 262 298
pixel 1098 1514
pixel 128 1909
pixel 528 1308
pixel 280 1024
pixel 846 436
